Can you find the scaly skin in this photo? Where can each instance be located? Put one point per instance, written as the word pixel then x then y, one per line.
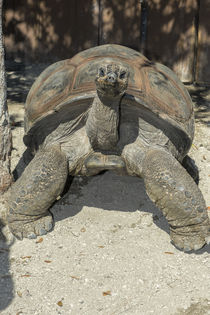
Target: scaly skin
pixel 102 123
pixel 34 192
pixel 103 118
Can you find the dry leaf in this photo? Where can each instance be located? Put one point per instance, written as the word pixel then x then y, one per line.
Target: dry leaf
pixel 60 303
pixel 101 246
pixel 208 208
pixel 25 276
pixel 74 277
pixel 169 253
pixel 24 257
pixel 107 293
pixel 48 261
pixel 19 293
pixel 39 240
pixel 83 229
pixel 194 146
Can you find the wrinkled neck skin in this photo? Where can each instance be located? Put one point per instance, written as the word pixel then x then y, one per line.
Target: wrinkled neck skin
pixel 102 122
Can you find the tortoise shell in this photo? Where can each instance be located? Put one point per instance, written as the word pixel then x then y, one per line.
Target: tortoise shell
pixel 70 84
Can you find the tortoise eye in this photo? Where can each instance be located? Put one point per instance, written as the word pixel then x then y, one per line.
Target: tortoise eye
pixel 101 72
pixel 122 75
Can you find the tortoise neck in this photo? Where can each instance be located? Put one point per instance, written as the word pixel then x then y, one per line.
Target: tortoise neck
pixel 102 123
pixel 113 102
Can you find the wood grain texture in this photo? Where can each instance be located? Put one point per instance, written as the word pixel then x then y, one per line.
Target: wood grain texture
pixel 203 56
pixel 5 132
pixel 171 35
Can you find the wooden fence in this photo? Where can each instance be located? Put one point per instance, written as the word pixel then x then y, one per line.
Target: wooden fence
pixel 176 33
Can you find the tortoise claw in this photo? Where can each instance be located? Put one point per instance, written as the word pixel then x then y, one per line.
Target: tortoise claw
pixel 207 239
pixel 32 229
pixel 31 236
pixel 18 235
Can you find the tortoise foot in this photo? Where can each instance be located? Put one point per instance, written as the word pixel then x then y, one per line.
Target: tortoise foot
pixel 187 241
pixel 33 228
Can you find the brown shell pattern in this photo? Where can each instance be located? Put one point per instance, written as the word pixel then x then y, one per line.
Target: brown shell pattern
pixel 150 83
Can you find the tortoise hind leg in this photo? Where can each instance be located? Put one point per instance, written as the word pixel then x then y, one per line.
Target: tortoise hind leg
pixel 174 191
pixel 34 192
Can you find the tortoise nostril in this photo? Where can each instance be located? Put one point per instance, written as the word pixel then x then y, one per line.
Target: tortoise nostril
pixel 111 78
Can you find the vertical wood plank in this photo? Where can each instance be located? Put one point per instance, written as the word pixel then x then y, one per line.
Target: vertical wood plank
pixel 47 30
pixel 72 26
pixel 171 35
pixel 120 22
pixel 203 54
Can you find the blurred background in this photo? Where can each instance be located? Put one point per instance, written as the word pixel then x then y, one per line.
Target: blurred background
pixel 176 33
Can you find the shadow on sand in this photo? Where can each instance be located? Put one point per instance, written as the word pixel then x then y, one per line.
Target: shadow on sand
pixel 6 282
pixel 110 192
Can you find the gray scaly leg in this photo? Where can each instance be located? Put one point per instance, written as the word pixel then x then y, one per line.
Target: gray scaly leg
pixel 34 192
pixel 174 192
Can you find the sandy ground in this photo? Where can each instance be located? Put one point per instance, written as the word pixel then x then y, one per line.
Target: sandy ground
pixel 110 251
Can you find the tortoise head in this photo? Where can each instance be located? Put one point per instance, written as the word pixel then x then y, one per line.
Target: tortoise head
pixel 112 79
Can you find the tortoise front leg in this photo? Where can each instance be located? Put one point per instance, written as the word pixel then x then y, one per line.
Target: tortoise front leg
pixel 34 192
pixel 174 192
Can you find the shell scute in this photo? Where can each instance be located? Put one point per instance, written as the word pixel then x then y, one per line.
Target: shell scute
pixel 168 97
pixel 51 90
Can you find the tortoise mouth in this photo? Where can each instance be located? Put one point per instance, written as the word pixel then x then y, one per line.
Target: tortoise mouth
pixel 110 88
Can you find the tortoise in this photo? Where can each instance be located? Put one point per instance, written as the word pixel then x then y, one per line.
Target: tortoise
pixel 109 108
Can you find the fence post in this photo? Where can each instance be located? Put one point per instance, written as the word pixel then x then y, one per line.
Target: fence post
pixel 143 27
pixel 5 131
